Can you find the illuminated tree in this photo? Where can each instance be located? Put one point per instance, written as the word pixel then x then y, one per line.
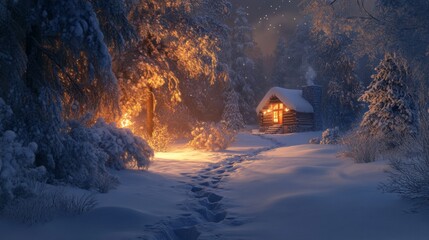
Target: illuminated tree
pixel 173 48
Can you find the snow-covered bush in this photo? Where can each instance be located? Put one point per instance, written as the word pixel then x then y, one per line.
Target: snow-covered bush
pixel 314 141
pixel 212 136
pixel 17 168
pixel 47 205
pixel 409 173
pixel 362 147
pixel 330 136
pixel 88 151
pixel 124 149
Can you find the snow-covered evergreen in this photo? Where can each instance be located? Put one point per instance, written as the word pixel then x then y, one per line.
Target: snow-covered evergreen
pixel 231 113
pixel 343 92
pixel 57 71
pixel 278 77
pixel 242 65
pixel 392 112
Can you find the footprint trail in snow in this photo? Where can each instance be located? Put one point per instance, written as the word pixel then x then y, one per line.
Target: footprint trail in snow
pixel 204 206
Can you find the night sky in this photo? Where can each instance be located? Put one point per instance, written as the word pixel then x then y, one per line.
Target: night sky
pixel 270 19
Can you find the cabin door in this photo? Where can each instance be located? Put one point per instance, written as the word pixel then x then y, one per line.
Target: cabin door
pixel 278 113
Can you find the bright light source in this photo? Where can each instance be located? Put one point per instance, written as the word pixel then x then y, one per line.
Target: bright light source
pixel 287 109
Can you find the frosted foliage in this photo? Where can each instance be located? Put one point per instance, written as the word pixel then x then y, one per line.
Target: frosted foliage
pixel 78 25
pixel 88 151
pixel 231 115
pixel 161 138
pixel 121 148
pixel 409 175
pixel 17 171
pixel 211 136
pixel 391 115
pixel 5 114
pixel 330 136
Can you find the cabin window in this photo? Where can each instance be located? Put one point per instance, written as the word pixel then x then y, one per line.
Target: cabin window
pixel 276 116
pixel 277 112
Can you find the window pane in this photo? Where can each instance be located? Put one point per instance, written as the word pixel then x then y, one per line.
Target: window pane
pixel 276 117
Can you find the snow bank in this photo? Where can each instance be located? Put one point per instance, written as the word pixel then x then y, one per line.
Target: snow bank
pixel 306 192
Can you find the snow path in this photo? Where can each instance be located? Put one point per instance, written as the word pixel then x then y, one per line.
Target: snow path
pixel 205 202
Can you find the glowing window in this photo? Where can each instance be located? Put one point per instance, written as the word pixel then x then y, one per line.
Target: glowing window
pixel 276 116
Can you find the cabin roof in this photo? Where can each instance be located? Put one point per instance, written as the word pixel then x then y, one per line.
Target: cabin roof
pixel 292 98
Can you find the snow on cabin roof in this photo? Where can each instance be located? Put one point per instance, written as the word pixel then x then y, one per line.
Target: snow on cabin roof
pixel 292 98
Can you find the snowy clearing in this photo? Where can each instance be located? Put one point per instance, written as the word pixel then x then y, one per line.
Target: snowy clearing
pixel 263 187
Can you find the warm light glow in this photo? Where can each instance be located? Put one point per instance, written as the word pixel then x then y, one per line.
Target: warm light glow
pixel 125 121
pixel 276 116
pixel 269 110
pixel 265 112
pixel 287 109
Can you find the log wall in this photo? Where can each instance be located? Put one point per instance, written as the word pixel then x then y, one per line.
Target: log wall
pixel 293 121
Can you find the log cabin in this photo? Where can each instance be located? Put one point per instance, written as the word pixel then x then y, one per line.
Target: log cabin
pixel 290 110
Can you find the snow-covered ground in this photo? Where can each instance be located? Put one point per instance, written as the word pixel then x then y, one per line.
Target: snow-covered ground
pixel 262 187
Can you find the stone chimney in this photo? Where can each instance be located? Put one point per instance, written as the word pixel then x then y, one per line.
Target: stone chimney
pixel 313 94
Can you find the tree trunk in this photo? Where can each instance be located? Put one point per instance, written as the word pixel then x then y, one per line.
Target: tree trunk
pixel 150 112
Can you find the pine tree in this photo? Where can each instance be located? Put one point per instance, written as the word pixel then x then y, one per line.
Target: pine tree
pixel 242 65
pixel 392 114
pixel 344 90
pixel 231 114
pixel 278 77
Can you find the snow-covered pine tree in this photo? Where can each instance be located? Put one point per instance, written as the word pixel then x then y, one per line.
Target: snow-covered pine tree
pixel 278 77
pixel 231 113
pixel 242 65
pixel 392 112
pixel 55 71
pixel 344 90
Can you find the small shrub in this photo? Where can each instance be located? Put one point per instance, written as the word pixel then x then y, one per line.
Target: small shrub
pixel 161 138
pixel 314 141
pixel 212 136
pixel 361 147
pixel 330 136
pixel 46 206
pixel 409 172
